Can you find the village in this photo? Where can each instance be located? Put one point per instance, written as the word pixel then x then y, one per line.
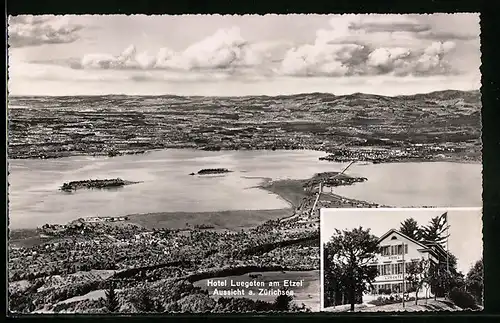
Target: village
pixel 137 255
pixel 358 126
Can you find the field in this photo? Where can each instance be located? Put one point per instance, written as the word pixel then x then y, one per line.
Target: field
pixel 225 220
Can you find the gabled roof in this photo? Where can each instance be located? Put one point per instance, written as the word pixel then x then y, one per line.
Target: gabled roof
pixel 392 231
pixel 424 245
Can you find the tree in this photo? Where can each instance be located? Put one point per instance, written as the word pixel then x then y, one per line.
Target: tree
pixel 417 274
pixel 196 303
pixel 144 303
pixel 439 280
pixel 334 278
pixel 283 301
pixel 351 252
pixel 435 231
pixel 158 307
pixel 411 229
pixel 111 298
pixel 474 281
pixel 445 276
pixel 463 299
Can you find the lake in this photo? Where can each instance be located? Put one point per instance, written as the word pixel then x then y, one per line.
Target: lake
pixel 35 198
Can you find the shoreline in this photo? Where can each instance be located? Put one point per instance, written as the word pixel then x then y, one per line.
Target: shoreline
pixel 290 191
pixel 453 158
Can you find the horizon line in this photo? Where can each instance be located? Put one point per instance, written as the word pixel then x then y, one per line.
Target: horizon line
pixel 234 96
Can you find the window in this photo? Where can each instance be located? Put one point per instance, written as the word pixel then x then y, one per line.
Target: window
pixel 398 269
pixel 383 270
pixel 406 248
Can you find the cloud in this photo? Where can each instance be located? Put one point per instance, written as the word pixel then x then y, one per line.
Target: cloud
pixel 390 23
pixel 349 46
pixel 223 50
pixel 34 73
pixel 370 45
pixel 26 31
pixel 321 60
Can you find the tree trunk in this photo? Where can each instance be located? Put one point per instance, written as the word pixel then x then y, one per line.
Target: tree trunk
pixel 352 297
pixel 416 296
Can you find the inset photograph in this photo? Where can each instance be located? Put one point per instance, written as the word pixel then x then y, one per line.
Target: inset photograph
pixel 388 260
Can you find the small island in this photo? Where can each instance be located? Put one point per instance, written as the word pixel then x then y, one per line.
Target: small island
pixel 209 171
pixel 95 183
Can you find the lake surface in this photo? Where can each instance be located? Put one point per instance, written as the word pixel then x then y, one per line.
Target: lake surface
pixel 417 184
pixel 35 198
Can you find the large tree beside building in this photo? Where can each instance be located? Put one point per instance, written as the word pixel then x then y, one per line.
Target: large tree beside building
pixel 411 229
pixel 350 252
pixel 445 276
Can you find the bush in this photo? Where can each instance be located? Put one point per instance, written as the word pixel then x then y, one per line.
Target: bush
pixel 383 300
pixel 463 299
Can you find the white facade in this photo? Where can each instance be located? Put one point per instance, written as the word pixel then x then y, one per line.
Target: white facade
pixel 397 250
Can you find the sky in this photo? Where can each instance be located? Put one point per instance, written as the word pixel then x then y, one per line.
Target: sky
pixel 243 55
pixel 465 241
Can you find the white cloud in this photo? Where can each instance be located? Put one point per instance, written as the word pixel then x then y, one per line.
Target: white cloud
pixel 26 31
pixel 354 45
pixel 222 50
pixel 319 59
pixel 394 50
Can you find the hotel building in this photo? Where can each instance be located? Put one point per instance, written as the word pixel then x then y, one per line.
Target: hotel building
pixel 398 250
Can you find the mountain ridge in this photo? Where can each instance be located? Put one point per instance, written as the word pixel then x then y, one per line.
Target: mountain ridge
pixel 297 95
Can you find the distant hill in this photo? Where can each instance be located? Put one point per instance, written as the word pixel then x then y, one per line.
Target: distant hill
pixel 319 121
pixel 442 95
